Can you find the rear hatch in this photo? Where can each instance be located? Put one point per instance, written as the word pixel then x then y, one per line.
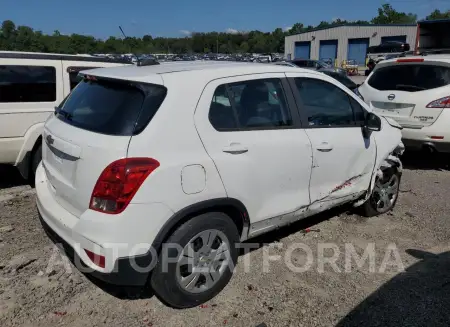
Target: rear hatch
pixel 91 129
pixel 407 89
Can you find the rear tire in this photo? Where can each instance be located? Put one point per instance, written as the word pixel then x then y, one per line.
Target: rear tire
pixel 384 195
pixel 35 161
pixel 185 285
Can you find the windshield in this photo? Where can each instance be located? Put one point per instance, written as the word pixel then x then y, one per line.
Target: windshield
pixel 110 107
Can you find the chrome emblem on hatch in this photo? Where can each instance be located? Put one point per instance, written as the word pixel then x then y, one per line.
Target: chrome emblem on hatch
pixel 391 97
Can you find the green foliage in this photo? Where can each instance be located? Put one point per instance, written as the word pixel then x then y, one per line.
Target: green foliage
pixel 437 14
pixel 388 15
pixel 24 38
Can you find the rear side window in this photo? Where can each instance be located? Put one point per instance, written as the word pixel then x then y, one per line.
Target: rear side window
pixel 27 84
pixel 411 77
pixel 111 107
pixel 254 104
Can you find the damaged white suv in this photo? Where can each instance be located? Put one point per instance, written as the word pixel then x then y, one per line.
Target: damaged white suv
pixel 203 156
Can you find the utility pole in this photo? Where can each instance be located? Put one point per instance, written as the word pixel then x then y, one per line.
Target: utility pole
pixel 217 44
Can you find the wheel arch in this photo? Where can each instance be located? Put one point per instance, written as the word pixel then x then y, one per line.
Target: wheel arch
pixel 392 160
pixel 235 209
pixel 26 156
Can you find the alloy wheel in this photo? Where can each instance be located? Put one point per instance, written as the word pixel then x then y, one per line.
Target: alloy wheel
pixel 203 261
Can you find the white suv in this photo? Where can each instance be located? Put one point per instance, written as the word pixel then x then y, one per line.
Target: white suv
pixel 204 156
pixel 31 85
pixel 415 91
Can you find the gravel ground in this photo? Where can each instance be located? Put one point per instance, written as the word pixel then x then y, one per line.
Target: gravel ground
pixel 34 293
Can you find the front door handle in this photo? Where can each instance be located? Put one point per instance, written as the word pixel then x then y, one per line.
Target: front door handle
pixel 235 148
pixel 324 147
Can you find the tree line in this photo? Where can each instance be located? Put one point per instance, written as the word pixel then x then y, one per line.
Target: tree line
pixel 24 38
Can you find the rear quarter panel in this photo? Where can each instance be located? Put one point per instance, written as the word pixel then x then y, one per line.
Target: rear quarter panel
pixel 172 139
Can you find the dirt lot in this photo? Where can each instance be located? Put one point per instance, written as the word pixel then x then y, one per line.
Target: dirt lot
pixel 34 294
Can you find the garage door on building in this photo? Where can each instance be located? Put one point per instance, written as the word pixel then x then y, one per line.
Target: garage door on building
pixel 328 50
pixel 398 38
pixel 302 50
pixel 357 50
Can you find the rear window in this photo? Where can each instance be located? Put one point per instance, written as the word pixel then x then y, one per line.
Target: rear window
pixel 111 107
pixel 411 77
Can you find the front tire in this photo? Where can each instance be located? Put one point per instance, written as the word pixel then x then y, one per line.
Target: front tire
pixel 202 266
pixel 384 194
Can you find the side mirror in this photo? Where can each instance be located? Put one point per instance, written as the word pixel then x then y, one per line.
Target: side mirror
pixel 373 122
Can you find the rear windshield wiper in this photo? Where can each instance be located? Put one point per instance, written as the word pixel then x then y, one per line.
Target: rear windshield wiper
pixel 65 114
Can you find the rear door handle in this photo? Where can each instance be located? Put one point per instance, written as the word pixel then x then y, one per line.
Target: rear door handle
pixel 235 149
pixel 324 147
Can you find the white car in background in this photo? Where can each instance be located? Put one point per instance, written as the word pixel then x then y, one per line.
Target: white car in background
pixel 204 155
pixel 415 91
pixel 31 86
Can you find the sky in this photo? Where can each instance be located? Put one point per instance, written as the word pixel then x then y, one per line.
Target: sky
pixel 176 18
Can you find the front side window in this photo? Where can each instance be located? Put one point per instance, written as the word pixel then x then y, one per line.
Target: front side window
pixel 27 84
pixel 359 112
pixel 250 104
pixel 325 103
pixel 341 78
pixel 410 77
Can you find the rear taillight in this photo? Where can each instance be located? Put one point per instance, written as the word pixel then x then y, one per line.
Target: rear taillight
pixel 440 103
pixel 119 182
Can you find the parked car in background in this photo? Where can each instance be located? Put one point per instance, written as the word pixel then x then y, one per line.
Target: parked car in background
pixel 415 91
pixel 387 50
pixel 31 86
pixel 388 47
pixel 252 147
pixel 344 79
pixel 313 65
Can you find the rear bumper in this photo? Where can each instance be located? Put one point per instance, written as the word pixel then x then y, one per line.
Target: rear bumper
pixel 426 136
pixel 124 240
pixel 124 273
pixel 438 146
